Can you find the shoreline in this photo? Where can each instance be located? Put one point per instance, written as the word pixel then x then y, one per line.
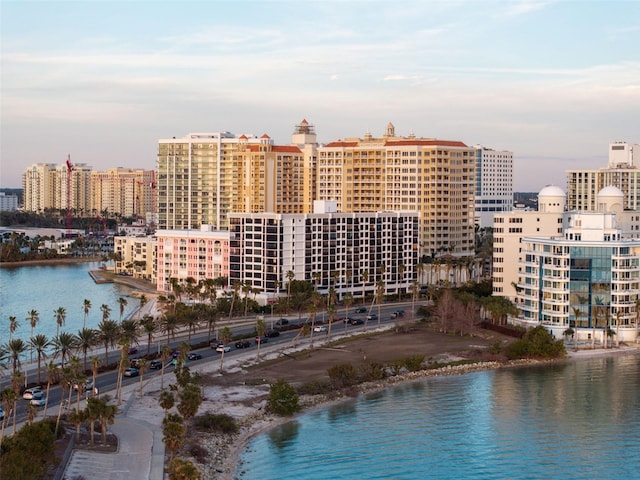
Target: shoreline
pixel 238 445
pixel 51 261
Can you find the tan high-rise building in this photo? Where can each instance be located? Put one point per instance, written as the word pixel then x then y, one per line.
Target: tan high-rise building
pixel 391 173
pixel 51 186
pixel 205 176
pixel 621 172
pixel 129 192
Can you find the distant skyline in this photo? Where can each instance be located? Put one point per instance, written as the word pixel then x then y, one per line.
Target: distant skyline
pixel 555 82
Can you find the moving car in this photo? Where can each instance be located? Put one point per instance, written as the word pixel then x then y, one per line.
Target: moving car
pixel 361 310
pixel 30 392
pixel 282 322
pixel 262 340
pixel 155 364
pixel 356 321
pixel 272 333
pixel 320 328
pixel 194 356
pixel 38 399
pixel 131 372
pixel 223 348
pixel 85 387
pixel 135 362
pixel 243 344
pixel 371 317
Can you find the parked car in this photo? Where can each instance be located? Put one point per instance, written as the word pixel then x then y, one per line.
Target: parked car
pixel 262 340
pixel 272 333
pixel 243 344
pixel 131 372
pixel 194 356
pixel 282 322
pixel 155 364
pixel 223 348
pixel 38 399
pixel 30 392
pixel 356 321
pixel 320 328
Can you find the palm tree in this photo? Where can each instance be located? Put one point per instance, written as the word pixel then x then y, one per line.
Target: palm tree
pixel 166 401
pixel 225 337
pixel 129 332
pixel 122 302
pixel 290 277
pixel 143 365
pixel 106 311
pixel 60 314
pixel 40 343
pixel 236 288
pixel 379 296
pixel 65 343
pixel 15 348
pixel 95 366
pixel 13 326
pixel 169 325
pixel 164 356
pixel 34 318
pixel 86 306
pixel 108 331
pixel 124 363
pixel 16 381
pixel 9 399
pixel 365 279
pixel 401 269
pixel 180 469
pixel 87 339
pixel 52 375
pixel 173 435
pixel 106 414
pixel 348 301
pixel 577 313
pixel 149 326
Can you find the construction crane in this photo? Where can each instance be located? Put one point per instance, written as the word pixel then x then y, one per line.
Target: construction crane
pixel 69 178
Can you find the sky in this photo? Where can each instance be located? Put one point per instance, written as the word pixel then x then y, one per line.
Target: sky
pixel 555 82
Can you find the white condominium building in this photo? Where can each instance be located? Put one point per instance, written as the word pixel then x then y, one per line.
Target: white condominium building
pixel 494 184
pixel 350 252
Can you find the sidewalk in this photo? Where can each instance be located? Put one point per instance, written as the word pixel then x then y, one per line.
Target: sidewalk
pixel 140 454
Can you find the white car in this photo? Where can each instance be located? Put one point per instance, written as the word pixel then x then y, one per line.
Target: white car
pixel 223 348
pixel 39 399
pixel 30 392
pixel 320 328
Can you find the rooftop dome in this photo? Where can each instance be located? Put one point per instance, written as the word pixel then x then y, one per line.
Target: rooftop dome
pixel 610 191
pixel 551 191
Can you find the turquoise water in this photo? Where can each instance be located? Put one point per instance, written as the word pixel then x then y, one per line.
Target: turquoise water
pixel 579 420
pixel 45 288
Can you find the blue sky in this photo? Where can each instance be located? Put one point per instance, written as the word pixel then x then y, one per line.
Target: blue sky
pixel 553 81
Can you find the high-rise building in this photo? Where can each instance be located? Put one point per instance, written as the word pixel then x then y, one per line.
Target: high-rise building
pixel 348 252
pixel 129 192
pixel 8 202
pixel 45 186
pixel 205 176
pixel 433 177
pixel 621 172
pixel 494 184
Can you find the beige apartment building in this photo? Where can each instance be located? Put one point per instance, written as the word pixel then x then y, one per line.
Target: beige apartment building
pixel 204 176
pixel 127 191
pixel 433 177
pixel 51 186
pixel 136 256
pixel 621 172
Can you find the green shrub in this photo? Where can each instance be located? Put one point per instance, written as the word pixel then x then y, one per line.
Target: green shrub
pixel 343 375
pixel 414 363
pixel 29 452
pixel 372 371
pixel 315 387
pixel 283 399
pixel 212 422
pixel 536 343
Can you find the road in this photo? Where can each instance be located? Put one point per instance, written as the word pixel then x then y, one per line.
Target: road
pixel 244 328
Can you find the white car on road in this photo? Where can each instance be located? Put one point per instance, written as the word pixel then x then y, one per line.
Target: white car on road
pixel 223 348
pixel 30 392
pixel 320 328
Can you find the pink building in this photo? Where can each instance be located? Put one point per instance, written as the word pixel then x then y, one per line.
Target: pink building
pixel 199 254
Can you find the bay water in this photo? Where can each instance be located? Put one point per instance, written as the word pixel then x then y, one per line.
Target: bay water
pixel 576 420
pixel 45 288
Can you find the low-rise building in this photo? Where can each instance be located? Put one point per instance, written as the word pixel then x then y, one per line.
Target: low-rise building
pixel 136 256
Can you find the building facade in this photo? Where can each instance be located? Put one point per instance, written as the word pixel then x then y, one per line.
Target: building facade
pixel 8 202
pixel 349 252
pixel 129 192
pixel 494 184
pixel 205 176
pixel 50 186
pixel 433 177
pixel 199 254
pixel 621 172
pixel 136 256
